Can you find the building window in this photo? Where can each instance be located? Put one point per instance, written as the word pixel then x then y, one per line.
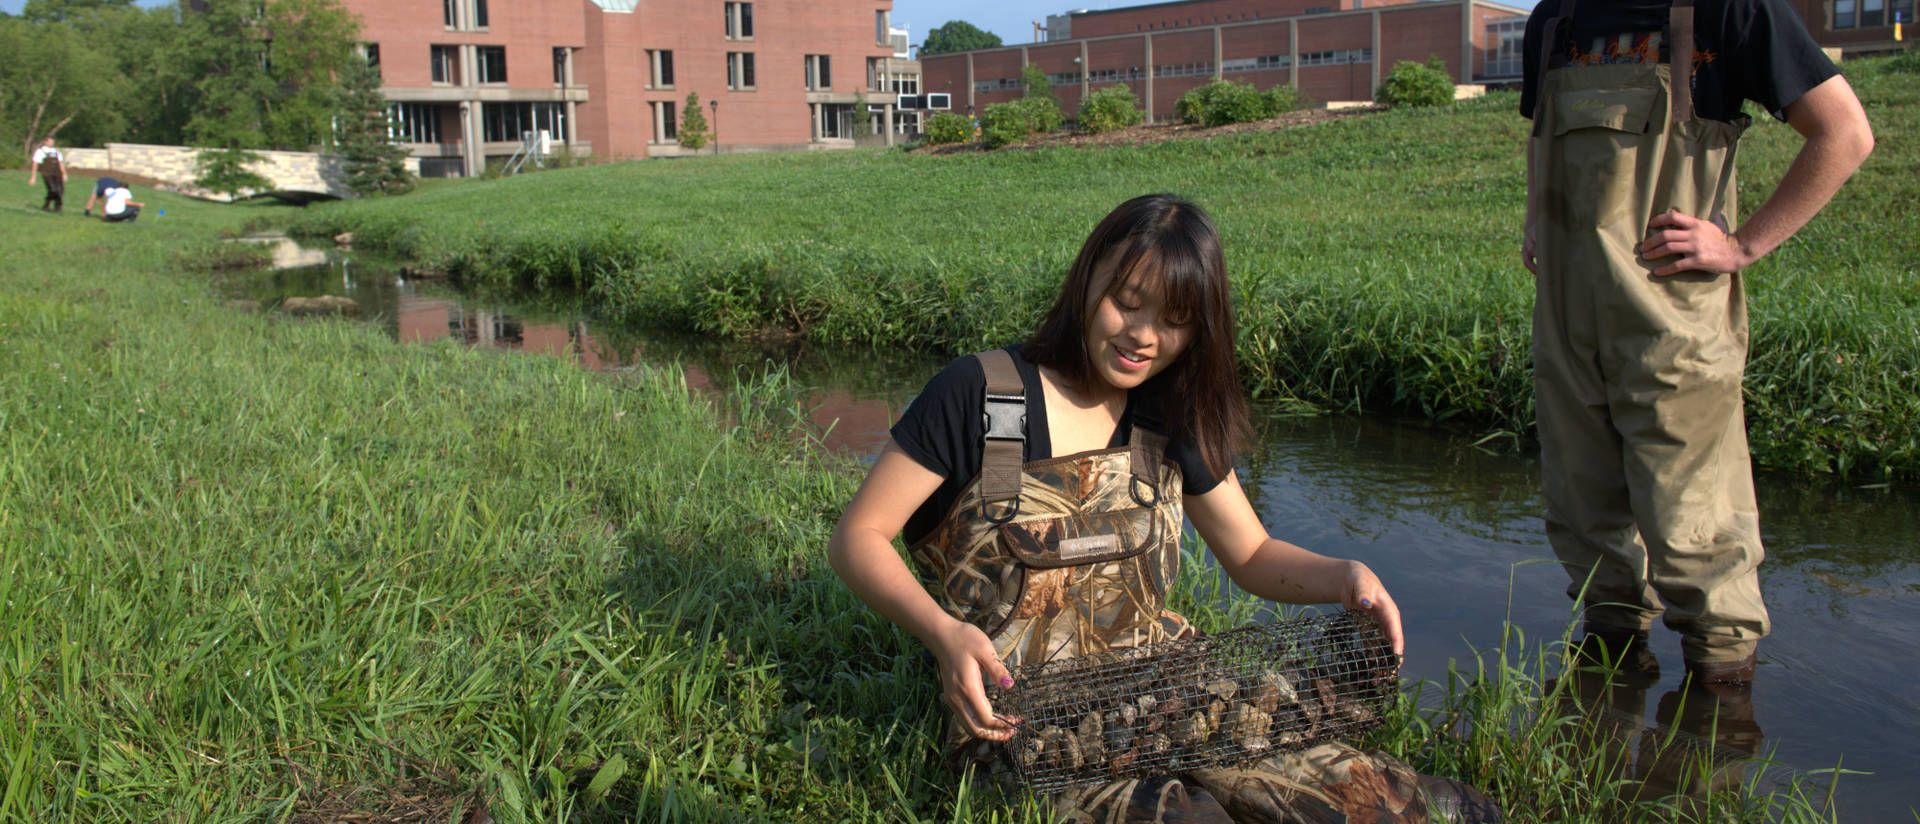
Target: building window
pixel 446 63
pixel 739 70
pixel 493 63
pixel 413 123
pixel 836 120
pixel 876 78
pixel 373 54
pixel 1256 64
pixel 449 13
pixel 480 14
pixel 1504 47
pixel 666 125
pixel 1873 13
pixel 660 68
pixel 1843 14
pixel 906 83
pixel 503 122
pixel 559 65
pixel 819 72
pixel 1901 10
pixel 739 21
pixel 1336 58
pixel 880 26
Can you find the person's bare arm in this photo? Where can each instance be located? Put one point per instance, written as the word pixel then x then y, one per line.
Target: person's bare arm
pixel 861 551
pixel 1279 571
pixel 1838 139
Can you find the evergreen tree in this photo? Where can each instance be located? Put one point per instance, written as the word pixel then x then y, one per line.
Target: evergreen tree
pixel 224 171
pixel 374 162
pixel 693 124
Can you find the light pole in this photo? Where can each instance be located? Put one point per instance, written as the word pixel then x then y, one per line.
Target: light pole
pixel 714 105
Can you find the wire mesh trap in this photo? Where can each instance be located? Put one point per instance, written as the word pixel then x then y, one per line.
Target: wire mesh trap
pixel 1195 703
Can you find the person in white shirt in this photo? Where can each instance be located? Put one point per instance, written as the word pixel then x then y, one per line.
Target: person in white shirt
pixel 51 167
pixel 121 207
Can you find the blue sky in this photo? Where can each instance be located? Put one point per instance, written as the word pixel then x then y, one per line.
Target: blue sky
pixel 1011 19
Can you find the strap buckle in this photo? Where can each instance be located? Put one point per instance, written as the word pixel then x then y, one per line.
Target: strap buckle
pixel 1005 417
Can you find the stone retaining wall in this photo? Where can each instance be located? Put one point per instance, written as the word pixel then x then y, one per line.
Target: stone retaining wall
pixel 176 165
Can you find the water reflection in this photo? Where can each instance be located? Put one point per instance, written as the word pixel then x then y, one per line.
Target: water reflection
pixel 1454 531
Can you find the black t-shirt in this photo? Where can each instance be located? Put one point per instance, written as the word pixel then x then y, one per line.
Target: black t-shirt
pixel 942 430
pixel 1755 50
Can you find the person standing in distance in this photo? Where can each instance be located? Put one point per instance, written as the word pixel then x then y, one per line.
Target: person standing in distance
pixel 51 168
pixel 1640 327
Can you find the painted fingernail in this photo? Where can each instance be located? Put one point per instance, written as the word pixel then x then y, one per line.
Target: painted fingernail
pixel 1005 682
pixel 1366 603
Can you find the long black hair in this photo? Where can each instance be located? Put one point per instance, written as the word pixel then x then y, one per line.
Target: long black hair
pixel 1175 239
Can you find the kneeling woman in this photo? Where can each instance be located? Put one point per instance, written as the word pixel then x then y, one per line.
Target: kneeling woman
pixel 1040 488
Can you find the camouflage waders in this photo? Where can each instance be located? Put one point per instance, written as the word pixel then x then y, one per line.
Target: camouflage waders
pixel 1073 555
pixel 1637 378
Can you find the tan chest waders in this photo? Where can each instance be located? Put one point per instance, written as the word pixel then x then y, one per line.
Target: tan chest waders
pixel 1068 556
pixel 1637 378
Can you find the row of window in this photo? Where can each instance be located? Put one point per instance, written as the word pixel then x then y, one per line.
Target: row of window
pixel 1203 69
pixel 1338 57
pixel 499 122
pixel 818 72
pixel 490 63
pixel 1849 14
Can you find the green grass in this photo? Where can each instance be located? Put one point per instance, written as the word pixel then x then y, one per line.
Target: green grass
pixel 254 568
pixel 1376 259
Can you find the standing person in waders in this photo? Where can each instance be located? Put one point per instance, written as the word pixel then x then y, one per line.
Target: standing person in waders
pixel 51 168
pixel 1640 325
pixel 1040 489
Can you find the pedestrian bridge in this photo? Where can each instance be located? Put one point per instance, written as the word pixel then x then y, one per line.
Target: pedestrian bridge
pixel 296 176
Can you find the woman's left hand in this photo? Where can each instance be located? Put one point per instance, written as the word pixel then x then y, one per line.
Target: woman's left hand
pixel 1365 593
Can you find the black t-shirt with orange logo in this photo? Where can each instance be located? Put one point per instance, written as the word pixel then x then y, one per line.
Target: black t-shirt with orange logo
pixel 1755 50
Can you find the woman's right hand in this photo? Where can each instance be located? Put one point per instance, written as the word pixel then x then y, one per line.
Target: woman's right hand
pixel 965 654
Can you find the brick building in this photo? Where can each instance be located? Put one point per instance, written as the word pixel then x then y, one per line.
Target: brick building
pixel 467 78
pixel 1857 27
pixel 1330 49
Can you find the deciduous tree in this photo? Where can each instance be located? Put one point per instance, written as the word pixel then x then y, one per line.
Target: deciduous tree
pixel 957 35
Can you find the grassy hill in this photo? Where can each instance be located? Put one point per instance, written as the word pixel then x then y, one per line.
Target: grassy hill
pixel 1376 259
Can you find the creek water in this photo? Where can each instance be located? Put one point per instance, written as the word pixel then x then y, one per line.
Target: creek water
pixel 1453 530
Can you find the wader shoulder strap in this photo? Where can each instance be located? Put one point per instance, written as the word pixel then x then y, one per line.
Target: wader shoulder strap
pixel 1146 448
pixel 1680 61
pixel 1549 48
pixel 1005 415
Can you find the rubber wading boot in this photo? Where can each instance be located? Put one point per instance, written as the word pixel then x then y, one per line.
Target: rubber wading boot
pixel 1454 801
pixel 1622 651
pixel 1736 672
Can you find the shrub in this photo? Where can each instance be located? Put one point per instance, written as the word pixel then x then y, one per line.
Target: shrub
pixel 1224 101
pixel 947 127
pixel 1412 84
pixel 1004 123
pixel 1113 107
